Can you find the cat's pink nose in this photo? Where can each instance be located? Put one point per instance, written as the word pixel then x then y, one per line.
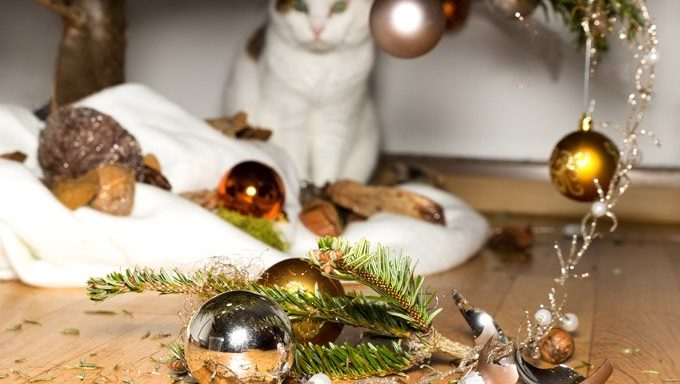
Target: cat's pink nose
pixel 317 29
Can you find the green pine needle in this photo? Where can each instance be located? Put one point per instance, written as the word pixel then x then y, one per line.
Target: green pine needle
pixel 261 229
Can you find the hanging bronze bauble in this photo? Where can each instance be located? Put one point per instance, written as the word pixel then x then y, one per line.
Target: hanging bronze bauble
pixel 407 28
pixel 456 13
pixel 579 159
pixel 298 274
pixel 557 346
pixel 513 8
pixel 253 189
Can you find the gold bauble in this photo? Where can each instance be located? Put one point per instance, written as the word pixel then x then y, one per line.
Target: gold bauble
pixel 456 13
pixel 253 189
pixel 239 337
pixel 513 8
pixel 557 346
pixel 580 158
pixel 407 28
pixel 298 274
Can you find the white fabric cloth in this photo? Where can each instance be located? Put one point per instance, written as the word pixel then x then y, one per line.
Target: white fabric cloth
pixel 43 243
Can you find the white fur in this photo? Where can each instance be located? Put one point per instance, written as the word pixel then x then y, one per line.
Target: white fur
pixel 312 91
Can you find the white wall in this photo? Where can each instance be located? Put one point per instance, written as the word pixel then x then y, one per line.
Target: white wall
pixel 481 93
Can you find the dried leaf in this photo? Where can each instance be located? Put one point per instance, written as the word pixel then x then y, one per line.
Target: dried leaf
pixel 15 327
pixel 630 351
pixel 70 331
pixel 42 379
pixel 84 365
pixel 100 312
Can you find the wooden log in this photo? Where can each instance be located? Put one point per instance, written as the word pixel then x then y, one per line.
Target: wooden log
pixel 237 127
pixel 366 201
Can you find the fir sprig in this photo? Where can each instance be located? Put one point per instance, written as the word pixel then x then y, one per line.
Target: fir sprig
pixel 351 362
pixel 389 274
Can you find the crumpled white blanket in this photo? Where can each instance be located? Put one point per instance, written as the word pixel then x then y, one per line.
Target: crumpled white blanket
pixel 43 243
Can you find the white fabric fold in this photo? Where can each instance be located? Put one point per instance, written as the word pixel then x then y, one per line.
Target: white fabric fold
pixel 43 243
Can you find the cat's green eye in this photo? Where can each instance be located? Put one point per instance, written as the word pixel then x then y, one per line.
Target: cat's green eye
pixel 300 6
pixel 339 6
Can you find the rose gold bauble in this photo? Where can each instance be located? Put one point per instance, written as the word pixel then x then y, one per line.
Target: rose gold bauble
pixel 253 189
pixel 580 158
pixel 513 8
pixel 295 274
pixel 557 346
pixel 456 13
pixel 407 28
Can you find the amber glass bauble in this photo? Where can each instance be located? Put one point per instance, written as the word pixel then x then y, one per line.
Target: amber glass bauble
pixel 253 189
pixel 456 13
pixel 578 160
pixel 298 274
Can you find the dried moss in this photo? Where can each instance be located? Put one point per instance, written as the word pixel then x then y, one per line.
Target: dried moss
pixel 261 229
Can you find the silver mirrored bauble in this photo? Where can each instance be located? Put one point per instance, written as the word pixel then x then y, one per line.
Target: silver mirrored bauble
pixel 237 337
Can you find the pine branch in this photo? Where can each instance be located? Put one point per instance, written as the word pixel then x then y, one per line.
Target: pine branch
pixel 608 13
pixel 351 362
pixel 390 275
pixel 354 310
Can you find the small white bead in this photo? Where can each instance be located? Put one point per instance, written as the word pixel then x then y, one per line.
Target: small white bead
pixel 569 322
pixel 319 378
pixel 543 317
pixel 472 378
pixel 653 56
pixel 598 209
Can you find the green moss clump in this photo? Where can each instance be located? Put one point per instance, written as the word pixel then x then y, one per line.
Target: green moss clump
pixel 261 229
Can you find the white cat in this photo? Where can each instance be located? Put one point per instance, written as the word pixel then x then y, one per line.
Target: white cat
pixel 305 76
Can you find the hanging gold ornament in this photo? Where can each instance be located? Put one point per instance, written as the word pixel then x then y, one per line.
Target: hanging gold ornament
pixel 253 189
pixel 456 13
pixel 298 274
pixel 407 28
pixel 579 159
pixel 513 8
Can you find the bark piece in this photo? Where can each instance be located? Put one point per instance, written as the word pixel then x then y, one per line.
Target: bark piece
pixel 237 127
pixel 206 198
pixel 17 156
pixel 75 193
pixel 367 201
pixel 116 194
pixel 151 161
pixel 321 218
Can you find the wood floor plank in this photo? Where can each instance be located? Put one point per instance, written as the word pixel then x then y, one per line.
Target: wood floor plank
pixel 637 310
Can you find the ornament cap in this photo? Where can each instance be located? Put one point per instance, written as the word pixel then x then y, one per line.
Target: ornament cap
pixel 586 122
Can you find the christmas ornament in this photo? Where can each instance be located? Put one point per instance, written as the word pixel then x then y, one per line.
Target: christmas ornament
pixel 298 274
pixel 407 28
pixel 513 8
pixel 569 322
pixel 456 13
pixel 239 337
pixel 543 317
pixel 579 159
pixel 252 189
pixel 557 347
pixel 319 378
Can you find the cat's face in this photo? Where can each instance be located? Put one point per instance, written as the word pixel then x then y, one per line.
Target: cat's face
pixel 321 25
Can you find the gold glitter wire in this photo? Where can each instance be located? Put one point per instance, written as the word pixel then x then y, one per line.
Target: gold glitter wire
pixel 644 56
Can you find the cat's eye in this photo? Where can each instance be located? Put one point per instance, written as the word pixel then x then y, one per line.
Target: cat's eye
pixel 300 6
pixel 339 6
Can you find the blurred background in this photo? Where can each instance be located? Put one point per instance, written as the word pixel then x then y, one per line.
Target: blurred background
pixel 482 93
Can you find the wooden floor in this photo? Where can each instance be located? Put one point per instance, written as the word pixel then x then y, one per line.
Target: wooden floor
pixel 631 303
